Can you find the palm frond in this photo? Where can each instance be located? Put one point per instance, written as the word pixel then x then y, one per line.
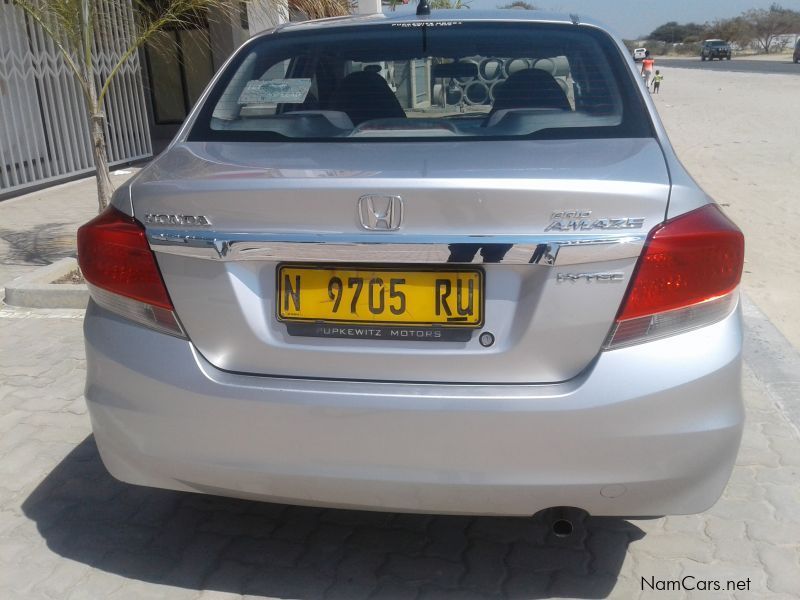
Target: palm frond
pixel 58 21
pixel 320 9
pixel 74 25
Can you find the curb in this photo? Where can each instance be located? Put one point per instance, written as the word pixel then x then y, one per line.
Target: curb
pixel 35 289
pixel 773 359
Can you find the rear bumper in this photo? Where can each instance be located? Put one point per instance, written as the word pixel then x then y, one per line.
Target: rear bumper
pixel 646 430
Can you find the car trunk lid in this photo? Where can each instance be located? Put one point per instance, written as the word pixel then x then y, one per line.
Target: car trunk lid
pixel 553 227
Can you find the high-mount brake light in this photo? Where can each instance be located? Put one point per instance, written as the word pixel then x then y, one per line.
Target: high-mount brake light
pixel 686 278
pixel 122 273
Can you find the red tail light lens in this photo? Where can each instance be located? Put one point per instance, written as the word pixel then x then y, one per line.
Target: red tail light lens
pixel 693 258
pixel 114 255
pixel 684 280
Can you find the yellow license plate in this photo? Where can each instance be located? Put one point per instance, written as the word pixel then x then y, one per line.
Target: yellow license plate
pixel 451 298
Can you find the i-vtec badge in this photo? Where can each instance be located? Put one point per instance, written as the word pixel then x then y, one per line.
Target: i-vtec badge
pixel 582 220
pixel 588 277
pixel 190 220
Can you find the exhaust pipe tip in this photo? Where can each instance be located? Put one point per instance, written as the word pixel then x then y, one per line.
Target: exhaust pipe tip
pixel 562 528
pixel 562 522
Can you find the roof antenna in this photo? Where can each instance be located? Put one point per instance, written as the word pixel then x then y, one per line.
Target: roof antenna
pixel 423 8
pixel 575 18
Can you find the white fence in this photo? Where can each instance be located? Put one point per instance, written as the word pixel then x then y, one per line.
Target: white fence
pixel 44 134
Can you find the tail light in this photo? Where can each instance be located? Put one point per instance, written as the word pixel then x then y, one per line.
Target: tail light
pixel 121 271
pixel 686 278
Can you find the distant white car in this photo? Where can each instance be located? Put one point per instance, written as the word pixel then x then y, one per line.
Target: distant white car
pixel 639 54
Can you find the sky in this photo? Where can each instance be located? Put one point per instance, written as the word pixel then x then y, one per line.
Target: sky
pixel 633 18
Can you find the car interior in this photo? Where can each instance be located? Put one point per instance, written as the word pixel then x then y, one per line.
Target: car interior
pixel 357 92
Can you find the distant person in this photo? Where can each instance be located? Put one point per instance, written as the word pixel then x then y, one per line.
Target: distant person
pixel 647 68
pixel 657 79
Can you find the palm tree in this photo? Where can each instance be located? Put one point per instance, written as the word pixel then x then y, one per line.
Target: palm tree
pixel 73 25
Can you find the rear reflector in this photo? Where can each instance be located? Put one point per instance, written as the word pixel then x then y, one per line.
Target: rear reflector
pixel 154 317
pixel 685 278
pixel 122 273
pixel 673 322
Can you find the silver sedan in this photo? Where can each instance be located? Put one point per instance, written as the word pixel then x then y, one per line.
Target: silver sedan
pixel 446 263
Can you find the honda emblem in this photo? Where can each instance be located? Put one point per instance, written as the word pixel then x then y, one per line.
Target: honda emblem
pixel 380 213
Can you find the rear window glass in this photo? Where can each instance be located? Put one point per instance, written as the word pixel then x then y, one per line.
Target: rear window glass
pixel 437 80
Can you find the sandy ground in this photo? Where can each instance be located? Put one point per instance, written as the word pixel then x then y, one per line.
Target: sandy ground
pixel 739 136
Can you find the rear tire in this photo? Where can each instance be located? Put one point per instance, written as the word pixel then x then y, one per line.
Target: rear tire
pixel 702 58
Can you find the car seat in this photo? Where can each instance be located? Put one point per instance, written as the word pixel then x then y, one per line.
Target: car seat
pixel 365 95
pixel 529 88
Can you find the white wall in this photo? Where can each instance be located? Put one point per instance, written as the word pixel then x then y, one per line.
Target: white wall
pixel 368 7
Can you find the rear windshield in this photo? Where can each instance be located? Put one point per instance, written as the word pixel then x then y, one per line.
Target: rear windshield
pixel 433 80
pixel 717 43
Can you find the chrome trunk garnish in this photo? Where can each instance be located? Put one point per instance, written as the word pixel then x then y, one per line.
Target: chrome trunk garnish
pixel 549 250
